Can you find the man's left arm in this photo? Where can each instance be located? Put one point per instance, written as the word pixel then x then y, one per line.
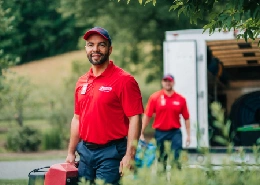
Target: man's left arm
pixel 186 116
pixel 134 131
pixel 187 125
pixel 131 100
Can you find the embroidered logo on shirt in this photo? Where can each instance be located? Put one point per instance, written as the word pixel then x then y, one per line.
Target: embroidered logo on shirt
pixel 105 89
pixel 176 103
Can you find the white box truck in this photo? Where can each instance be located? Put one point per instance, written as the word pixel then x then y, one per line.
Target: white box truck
pixel 215 67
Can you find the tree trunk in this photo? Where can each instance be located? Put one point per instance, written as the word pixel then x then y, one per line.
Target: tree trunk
pixel 19 117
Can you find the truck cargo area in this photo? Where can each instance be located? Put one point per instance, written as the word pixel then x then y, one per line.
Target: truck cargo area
pixel 216 67
pixel 234 81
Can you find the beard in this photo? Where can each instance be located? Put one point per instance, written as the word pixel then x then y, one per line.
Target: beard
pixel 102 60
pixel 168 87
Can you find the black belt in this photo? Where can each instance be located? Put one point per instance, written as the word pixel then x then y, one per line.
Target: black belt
pixel 172 129
pixel 93 146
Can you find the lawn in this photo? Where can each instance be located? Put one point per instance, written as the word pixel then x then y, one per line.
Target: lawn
pixel 49 73
pixel 13 182
pixel 41 155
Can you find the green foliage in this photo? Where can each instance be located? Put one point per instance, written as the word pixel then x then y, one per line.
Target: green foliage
pixel 6 60
pixel 227 172
pixel 53 139
pixel 23 139
pixel 242 15
pixel 138 39
pixel 13 97
pixel 5 21
pixel 58 136
pixel 14 182
pixel 38 31
pixel 6 27
pixel 256 151
pixel 221 124
pixel 36 181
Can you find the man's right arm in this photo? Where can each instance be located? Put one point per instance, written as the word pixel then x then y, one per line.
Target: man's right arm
pixel 74 139
pixel 145 122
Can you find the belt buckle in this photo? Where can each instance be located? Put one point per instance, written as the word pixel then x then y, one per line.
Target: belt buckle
pixel 91 146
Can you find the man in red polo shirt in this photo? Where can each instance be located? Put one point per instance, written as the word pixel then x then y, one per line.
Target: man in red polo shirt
pixel 167 105
pixel 106 121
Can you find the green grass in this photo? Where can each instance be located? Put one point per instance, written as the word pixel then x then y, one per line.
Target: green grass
pixel 42 155
pixel 13 182
pixel 40 124
pixel 49 73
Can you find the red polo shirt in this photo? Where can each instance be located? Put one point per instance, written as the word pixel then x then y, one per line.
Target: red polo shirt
pixel 167 110
pixel 104 104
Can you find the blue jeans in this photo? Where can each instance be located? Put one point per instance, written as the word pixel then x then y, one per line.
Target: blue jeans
pixel 102 163
pixel 173 135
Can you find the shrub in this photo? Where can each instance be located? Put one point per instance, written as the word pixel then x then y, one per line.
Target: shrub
pixel 58 137
pixel 52 140
pixel 23 139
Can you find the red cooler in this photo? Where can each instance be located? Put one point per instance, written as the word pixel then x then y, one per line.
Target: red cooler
pixel 61 174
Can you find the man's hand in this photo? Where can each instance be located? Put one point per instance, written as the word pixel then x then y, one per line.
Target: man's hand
pixel 71 158
pixel 142 137
pixel 188 141
pixel 126 163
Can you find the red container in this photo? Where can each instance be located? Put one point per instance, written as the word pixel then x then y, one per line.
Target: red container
pixel 61 174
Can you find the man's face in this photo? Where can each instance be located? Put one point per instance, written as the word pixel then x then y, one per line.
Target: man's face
pixel 167 84
pixel 98 49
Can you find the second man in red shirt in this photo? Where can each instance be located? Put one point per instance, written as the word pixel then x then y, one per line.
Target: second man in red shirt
pixel 167 106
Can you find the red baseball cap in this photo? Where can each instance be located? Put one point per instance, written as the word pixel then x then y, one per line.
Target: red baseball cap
pixel 100 31
pixel 168 77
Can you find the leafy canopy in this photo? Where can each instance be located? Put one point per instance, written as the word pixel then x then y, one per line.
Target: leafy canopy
pixel 137 31
pixel 241 15
pixel 6 26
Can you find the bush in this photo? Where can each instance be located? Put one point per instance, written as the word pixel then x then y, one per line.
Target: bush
pixel 58 137
pixel 52 140
pixel 24 139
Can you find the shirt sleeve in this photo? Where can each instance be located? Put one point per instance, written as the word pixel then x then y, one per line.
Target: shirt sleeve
pixel 185 112
pixel 131 98
pixel 150 107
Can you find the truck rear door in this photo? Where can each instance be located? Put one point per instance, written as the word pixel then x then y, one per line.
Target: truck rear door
pixel 180 61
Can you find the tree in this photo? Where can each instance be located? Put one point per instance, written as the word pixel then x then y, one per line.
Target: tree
pixel 7 21
pixel 242 15
pixel 38 31
pixel 6 26
pixel 137 32
pixel 14 97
